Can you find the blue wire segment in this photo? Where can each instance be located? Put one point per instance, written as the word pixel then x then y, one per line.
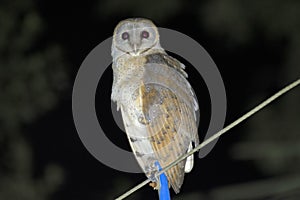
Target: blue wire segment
pixel 164 193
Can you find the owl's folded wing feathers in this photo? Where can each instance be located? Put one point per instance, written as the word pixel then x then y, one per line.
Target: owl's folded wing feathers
pixel 169 107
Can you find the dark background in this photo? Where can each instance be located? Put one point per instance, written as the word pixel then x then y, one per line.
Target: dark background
pixel 255 44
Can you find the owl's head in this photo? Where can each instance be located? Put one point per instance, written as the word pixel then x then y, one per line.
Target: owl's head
pixel 135 37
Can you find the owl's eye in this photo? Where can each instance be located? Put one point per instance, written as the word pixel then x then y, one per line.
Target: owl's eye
pixel 125 35
pixel 145 34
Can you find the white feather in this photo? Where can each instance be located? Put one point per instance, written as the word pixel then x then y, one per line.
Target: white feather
pixel 189 161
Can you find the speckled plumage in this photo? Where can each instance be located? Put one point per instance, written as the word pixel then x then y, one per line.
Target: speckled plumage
pixel 157 102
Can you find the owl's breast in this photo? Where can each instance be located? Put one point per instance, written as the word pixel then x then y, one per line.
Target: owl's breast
pixel 128 72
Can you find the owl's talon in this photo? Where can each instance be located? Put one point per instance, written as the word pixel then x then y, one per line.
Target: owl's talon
pixel 154 185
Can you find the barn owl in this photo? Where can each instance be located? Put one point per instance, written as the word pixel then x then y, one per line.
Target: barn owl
pixel 157 103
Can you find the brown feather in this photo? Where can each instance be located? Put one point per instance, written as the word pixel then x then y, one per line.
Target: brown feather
pixel 167 142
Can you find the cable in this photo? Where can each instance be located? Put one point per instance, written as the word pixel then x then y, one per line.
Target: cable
pixel 215 136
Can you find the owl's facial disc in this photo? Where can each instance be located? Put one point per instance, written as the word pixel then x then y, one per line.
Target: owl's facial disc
pixel 136 37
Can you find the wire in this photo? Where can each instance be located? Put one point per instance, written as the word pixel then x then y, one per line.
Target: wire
pixel 215 136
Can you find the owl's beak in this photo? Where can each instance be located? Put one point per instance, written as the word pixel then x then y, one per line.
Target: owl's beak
pixel 135 49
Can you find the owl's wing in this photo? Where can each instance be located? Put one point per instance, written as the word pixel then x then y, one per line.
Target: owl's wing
pixel 168 109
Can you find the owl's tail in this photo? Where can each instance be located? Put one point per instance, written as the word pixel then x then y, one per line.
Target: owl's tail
pixel 163 191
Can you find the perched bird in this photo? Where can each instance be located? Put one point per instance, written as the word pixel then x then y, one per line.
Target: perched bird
pixel 157 103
